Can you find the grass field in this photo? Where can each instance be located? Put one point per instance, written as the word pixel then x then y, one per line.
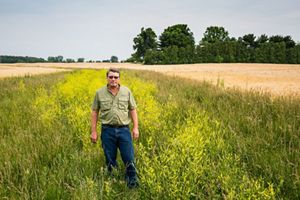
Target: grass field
pixel 198 141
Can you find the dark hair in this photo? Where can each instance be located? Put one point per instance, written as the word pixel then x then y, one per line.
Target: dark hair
pixel 115 70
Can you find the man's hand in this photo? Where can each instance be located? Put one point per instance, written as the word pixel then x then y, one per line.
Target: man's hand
pixel 94 136
pixel 135 130
pixel 135 133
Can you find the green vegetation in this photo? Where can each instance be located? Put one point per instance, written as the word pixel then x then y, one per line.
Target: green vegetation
pixel 114 59
pixel 198 141
pixel 177 46
pixel 20 59
pixel 262 130
pixel 55 59
pixel 26 59
pixel 143 42
pixel 80 60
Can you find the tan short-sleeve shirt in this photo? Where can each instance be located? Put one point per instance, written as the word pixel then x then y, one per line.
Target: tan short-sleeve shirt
pixel 114 110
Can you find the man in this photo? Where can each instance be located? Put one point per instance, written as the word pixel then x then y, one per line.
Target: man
pixel 117 107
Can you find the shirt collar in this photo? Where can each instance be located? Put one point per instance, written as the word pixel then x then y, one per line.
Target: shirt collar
pixel 107 86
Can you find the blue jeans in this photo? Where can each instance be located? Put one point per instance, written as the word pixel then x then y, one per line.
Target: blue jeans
pixel 113 138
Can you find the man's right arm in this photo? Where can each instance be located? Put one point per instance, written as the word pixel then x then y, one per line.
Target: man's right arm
pixel 94 134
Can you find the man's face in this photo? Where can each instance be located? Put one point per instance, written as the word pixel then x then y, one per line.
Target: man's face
pixel 113 79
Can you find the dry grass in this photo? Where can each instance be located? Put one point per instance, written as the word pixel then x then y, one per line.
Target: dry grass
pixel 10 71
pixel 278 79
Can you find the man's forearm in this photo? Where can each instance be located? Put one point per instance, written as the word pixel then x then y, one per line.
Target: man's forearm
pixel 94 120
pixel 134 118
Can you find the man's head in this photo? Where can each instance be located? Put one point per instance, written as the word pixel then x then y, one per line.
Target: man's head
pixel 113 77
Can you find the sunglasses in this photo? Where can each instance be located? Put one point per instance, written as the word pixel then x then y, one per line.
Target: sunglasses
pixel 115 77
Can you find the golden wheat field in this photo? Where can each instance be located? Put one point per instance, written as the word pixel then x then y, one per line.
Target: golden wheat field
pixel 278 79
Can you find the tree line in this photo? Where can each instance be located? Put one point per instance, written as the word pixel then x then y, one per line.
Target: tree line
pixel 53 59
pixel 20 59
pixel 176 45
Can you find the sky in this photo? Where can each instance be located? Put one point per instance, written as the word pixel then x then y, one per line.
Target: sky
pixel 98 29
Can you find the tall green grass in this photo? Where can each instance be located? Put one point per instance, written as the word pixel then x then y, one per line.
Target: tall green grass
pixel 38 161
pixel 262 129
pixel 198 141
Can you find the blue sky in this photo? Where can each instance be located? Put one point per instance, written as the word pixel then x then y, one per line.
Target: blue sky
pixel 98 29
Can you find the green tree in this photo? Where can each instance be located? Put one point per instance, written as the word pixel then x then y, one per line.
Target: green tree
pixel 289 42
pixel 228 51
pixel 247 47
pixel 276 38
pixel 215 34
pixel 277 53
pixel 249 40
pixel 70 60
pixel 291 55
pixel 170 55
pixel 51 59
pixel 55 59
pixel 177 45
pixel 243 54
pixel 143 42
pixel 60 59
pixel 186 55
pixel 153 57
pixel 261 40
pixel 178 35
pixel 114 59
pixel 19 59
pixel 262 53
pixel 297 49
pixel 201 54
pixel 80 60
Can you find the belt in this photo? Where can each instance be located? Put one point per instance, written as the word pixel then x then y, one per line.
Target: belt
pixel 115 126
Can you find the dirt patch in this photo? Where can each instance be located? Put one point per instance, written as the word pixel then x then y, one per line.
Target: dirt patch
pixel 279 79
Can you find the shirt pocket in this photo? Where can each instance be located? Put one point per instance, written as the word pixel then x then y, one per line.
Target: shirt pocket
pixel 105 104
pixel 123 103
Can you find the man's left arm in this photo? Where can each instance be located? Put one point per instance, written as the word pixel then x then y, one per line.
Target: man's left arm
pixel 134 117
